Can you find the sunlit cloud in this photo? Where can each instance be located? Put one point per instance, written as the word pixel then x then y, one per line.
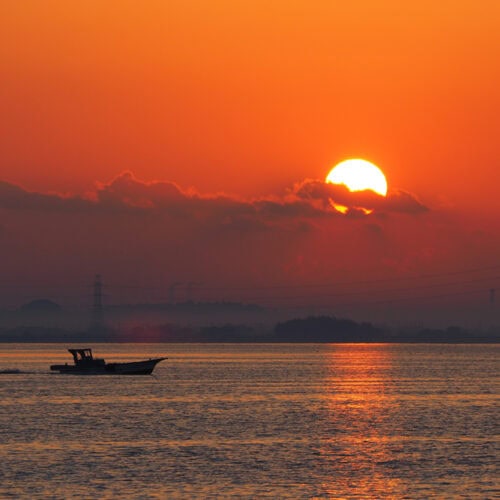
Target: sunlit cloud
pixel 359 202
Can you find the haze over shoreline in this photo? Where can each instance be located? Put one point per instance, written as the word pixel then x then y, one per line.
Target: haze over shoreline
pixel 312 329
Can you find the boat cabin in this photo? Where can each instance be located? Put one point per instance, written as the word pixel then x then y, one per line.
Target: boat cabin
pixel 82 355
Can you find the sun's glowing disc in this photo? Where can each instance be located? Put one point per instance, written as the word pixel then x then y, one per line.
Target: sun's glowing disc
pixel 358 175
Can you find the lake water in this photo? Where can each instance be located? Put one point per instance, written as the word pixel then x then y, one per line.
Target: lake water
pixel 247 421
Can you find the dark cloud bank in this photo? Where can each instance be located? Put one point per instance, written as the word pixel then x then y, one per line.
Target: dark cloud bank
pixel 309 199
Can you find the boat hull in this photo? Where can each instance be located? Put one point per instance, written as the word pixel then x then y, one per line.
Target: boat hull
pixel 145 367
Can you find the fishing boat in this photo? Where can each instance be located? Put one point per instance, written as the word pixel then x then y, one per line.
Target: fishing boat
pixel 86 364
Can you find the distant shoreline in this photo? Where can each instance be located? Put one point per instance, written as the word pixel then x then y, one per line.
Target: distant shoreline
pixel 396 342
pixel 309 330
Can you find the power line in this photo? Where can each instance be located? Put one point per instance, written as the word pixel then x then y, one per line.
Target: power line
pixel 422 297
pixel 318 285
pixel 372 291
pixel 254 287
pixel 489 281
pixel 361 282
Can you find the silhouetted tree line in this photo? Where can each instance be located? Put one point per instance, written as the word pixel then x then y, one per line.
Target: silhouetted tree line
pixel 326 329
pixel 330 329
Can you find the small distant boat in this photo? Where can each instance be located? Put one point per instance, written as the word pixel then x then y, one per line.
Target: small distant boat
pixel 86 364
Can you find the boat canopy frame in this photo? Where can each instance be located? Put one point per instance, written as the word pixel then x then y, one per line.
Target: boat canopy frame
pixel 80 355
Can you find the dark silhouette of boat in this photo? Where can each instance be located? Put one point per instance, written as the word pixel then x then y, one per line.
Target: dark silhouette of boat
pixel 86 364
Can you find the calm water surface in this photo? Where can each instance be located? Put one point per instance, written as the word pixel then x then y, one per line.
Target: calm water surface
pixel 297 421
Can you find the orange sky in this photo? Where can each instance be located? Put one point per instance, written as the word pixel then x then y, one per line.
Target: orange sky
pixel 199 99
pixel 249 97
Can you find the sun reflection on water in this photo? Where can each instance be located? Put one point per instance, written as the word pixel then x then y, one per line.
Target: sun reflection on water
pixel 359 405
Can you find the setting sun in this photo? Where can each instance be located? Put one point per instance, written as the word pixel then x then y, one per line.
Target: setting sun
pixel 358 175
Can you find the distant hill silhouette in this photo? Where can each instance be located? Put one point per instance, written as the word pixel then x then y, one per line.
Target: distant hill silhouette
pixel 41 306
